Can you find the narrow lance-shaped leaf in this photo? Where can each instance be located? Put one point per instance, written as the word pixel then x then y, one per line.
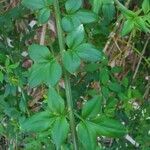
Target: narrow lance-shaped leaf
pixel 141 24
pixel 127 13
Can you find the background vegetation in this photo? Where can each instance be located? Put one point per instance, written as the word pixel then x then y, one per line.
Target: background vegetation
pixel 74 74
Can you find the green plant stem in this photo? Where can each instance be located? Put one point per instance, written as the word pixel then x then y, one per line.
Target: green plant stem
pixel 67 77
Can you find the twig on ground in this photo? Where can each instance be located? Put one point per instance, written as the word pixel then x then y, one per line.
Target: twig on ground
pixel 42 39
pixel 113 33
pixel 140 60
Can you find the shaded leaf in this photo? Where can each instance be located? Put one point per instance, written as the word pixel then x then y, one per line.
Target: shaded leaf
pixel 104 76
pixel 115 87
pixel 108 11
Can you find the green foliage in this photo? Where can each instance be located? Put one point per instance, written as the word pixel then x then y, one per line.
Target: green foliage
pixel 60 131
pixel 66 94
pixel 37 123
pixel 146 6
pixel 55 102
pixel 44 62
pixel 91 108
pixel 1 76
pixel 134 21
pixel 43 8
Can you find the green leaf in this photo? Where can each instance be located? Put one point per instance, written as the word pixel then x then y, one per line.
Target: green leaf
pixel 108 127
pixel 45 72
pixel 60 131
pixel 67 23
pixel 104 76
pixel 1 76
pixel 92 107
pixel 34 5
pixel 126 12
pixel 86 135
pixel 72 5
pixel 71 61
pixel 92 67
pixel 39 53
pixel 141 24
pixel 43 15
pixel 55 102
pixel 105 91
pixel 115 87
pixel 86 16
pixel 70 22
pixel 108 11
pixel 88 52
pixel 116 69
pixel 49 2
pixel 97 4
pixel 37 123
pixel 46 69
pixel 146 6
pixel 127 27
pixel 76 37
